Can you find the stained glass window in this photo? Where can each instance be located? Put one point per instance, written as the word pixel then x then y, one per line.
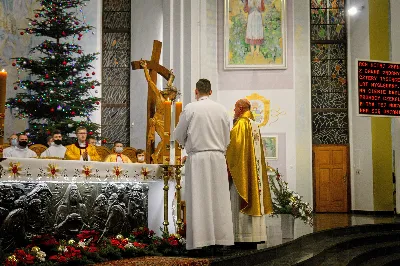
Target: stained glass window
pixel 329 72
pixel 115 121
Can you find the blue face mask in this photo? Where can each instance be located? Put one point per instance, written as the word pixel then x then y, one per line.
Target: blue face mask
pixel 14 142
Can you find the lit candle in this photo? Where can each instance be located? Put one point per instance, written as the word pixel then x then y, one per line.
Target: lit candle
pixel 167 131
pixel 3 88
pixel 178 152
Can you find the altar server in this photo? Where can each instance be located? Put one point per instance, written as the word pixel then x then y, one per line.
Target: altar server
pixel 117 156
pixel 13 140
pixel 22 150
pixel 56 149
pixel 203 130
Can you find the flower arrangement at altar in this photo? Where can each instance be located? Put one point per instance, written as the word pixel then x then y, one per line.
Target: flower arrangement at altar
pixel 89 248
pixel 286 201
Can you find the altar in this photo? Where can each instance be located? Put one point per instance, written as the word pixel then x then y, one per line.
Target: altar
pixel 39 196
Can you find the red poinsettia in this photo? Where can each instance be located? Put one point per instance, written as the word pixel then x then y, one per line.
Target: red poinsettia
pixel 88 234
pixel 139 245
pixel 72 253
pixel 119 243
pixel 24 257
pixel 58 258
pixel 44 240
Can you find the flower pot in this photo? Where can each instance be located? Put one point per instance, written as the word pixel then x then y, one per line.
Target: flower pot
pixel 287 225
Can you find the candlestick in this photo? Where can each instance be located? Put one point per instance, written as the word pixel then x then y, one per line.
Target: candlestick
pixel 3 88
pixel 178 152
pixel 167 131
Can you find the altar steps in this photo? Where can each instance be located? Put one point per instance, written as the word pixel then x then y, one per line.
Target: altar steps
pixel 355 245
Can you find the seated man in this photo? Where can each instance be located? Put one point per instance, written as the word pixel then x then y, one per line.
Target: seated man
pixel 140 156
pixel 117 156
pixel 22 150
pixel 91 140
pixel 82 150
pixel 13 140
pixel 56 149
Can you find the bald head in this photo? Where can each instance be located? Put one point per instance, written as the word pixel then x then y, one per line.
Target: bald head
pixel 244 103
pixel 241 106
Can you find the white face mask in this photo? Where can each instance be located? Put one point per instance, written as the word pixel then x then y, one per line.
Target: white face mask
pixel 14 142
pixel 140 158
pixel 118 149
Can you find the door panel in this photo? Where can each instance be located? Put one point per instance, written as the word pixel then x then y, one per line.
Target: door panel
pixel 330 178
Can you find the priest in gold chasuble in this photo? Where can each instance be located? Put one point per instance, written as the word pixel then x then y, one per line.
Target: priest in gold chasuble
pixel 82 150
pixel 250 195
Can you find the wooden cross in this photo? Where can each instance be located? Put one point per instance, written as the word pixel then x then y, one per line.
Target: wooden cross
pixel 154 69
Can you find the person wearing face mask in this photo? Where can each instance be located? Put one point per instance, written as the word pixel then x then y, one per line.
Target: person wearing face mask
pixel 56 149
pixel 13 140
pixel 117 156
pixel 140 156
pixel 50 141
pixel 22 150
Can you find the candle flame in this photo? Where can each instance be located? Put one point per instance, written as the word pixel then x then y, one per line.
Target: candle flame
pixel 3 70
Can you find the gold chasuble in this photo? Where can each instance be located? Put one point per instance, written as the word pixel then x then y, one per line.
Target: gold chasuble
pixel 74 152
pixel 112 158
pixel 243 166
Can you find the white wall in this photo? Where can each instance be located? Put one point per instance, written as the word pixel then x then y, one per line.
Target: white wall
pixel 147 26
pixel 91 43
pixel 360 127
pixel 204 31
pixel 302 81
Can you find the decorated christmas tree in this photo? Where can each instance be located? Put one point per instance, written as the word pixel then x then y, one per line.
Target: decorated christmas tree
pixel 57 92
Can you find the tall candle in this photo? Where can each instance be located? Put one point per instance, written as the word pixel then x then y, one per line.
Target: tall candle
pixel 3 79
pixel 178 153
pixel 167 131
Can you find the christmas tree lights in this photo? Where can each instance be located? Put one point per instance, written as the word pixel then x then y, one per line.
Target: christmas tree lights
pixel 58 92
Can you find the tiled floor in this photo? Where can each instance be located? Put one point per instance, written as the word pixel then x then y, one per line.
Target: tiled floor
pixel 322 221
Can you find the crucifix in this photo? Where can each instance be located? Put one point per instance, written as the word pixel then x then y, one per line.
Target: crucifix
pixel 155 97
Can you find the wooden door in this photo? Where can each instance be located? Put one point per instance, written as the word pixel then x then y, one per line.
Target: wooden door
pixel 331 178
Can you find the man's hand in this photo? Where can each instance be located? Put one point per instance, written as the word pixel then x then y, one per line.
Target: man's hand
pixel 184 159
pixel 85 156
pixel 143 63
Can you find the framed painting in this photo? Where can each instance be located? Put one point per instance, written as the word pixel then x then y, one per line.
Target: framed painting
pixel 270 145
pixel 255 34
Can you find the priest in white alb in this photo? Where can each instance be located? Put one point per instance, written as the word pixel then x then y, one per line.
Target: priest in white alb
pixel 250 195
pixel 203 130
pixel 56 149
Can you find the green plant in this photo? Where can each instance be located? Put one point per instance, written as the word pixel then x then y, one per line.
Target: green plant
pixel 286 201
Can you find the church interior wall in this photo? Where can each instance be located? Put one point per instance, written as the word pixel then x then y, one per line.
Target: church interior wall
pixel 147 26
pixel 302 85
pixel 275 85
pixel 360 127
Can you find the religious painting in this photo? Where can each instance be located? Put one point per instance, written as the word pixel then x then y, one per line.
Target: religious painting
pixel 270 146
pixel 255 34
pixel 260 107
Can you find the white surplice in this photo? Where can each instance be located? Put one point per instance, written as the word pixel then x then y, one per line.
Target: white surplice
pixel 203 130
pixel 7 151
pixel 20 152
pixel 54 151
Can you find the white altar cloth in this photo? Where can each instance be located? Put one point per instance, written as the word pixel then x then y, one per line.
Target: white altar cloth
pixel 48 170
